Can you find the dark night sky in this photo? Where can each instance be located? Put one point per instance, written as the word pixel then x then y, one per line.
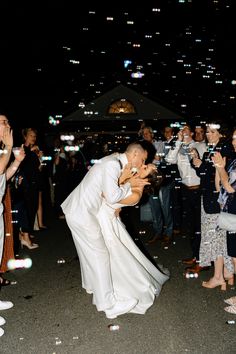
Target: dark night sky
pixel 185 54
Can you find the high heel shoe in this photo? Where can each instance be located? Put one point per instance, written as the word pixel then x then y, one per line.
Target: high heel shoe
pixel 29 245
pixel 231 301
pixel 42 228
pixel 231 309
pixel 211 284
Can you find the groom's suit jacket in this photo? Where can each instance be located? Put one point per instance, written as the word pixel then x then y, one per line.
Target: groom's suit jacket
pixel 101 180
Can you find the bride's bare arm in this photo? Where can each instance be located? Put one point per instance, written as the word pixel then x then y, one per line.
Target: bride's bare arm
pixel 134 198
pixel 129 172
pixel 137 189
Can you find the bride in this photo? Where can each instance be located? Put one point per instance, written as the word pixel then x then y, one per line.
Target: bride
pixel 133 275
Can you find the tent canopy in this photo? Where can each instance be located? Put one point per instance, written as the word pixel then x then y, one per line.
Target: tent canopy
pixel 144 108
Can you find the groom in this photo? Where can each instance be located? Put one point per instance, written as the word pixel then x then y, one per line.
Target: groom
pixel 81 208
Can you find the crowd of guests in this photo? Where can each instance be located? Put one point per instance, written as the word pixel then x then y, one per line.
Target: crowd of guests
pixel 22 187
pixel 198 164
pixel 197 167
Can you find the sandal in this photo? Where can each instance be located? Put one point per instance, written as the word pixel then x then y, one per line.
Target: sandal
pixel 230 309
pixel 231 301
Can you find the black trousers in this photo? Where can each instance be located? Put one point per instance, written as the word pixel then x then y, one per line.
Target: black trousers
pixel 191 218
pixel 31 199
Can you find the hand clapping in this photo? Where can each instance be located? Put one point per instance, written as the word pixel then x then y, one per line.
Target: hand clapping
pixel 218 160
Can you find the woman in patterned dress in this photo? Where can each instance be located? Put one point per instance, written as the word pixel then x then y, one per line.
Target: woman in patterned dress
pixel 213 246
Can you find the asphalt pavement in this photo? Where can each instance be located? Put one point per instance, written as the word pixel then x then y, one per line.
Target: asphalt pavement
pixel 52 314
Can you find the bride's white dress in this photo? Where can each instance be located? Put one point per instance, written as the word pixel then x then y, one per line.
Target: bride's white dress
pixel 133 275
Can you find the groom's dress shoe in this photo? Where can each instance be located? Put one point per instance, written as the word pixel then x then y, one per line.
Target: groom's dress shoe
pixel 120 308
pixel 2 321
pixel 5 305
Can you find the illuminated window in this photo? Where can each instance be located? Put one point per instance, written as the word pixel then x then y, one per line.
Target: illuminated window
pixel 121 106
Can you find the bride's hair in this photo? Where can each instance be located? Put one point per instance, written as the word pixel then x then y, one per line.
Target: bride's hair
pixel 155 178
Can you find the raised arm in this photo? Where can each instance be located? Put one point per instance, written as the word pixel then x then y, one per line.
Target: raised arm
pixel 137 191
pixel 134 198
pixel 7 140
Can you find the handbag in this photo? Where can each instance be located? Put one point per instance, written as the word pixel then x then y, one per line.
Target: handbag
pixel 227 221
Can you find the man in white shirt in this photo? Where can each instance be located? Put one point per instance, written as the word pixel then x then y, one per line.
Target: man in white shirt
pixel 81 208
pixel 181 153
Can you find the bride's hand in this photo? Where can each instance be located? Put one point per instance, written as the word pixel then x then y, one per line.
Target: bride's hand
pixel 145 170
pixel 127 173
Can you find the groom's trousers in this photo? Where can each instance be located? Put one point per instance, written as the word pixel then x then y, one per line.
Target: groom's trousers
pixel 94 260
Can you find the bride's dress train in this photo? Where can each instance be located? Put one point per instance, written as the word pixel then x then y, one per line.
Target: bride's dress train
pixel 133 275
